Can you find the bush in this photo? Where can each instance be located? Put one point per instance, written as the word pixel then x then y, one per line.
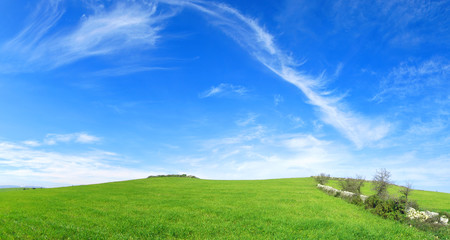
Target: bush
pixel 372 201
pixel 393 208
pixel 352 184
pixel 322 178
pixel 356 200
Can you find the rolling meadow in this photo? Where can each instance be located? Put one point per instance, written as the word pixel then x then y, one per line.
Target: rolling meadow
pixel 187 208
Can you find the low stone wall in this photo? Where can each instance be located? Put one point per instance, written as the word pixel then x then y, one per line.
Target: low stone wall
pixel 422 216
pixel 334 191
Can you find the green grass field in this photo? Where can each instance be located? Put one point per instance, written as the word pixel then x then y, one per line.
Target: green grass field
pixel 10 189
pixel 168 208
pixel 433 201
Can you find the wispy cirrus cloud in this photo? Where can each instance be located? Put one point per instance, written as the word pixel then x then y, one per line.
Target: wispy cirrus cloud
pixel 399 22
pixel 126 70
pixel 224 89
pixel 106 31
pixel 414 78
pixel 260 44
pixel 420 128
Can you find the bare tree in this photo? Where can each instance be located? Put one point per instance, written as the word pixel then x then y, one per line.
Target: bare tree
pixel 406 190
pixel 381 182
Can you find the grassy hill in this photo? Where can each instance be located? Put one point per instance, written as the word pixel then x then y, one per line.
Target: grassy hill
pixel 161 208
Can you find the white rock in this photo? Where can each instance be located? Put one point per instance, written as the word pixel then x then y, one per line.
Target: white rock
pixel 444 220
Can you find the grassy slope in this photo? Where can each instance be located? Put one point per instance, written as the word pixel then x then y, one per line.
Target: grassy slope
pixel 191 208
pixel 433 201
pixel 10 189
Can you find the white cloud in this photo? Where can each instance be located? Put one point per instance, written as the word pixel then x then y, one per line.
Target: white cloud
pixel 22 165
pixel 86 138
pixel 32 143
pixel 264 156
pixel 52 139
pixel 253 154
pixel 106 31
pixel 302 142
pixel 224 89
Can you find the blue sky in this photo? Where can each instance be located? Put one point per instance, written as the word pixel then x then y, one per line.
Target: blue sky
pixel 94 91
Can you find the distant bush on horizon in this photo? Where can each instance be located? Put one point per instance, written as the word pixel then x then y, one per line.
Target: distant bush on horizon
pixel 173 175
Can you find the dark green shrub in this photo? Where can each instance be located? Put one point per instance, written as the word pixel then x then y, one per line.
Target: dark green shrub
pixel 393 208
pixel 356 200
pixel 372 201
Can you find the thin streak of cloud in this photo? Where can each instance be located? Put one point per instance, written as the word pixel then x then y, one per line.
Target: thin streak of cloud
pixel 250 119
pixel 224 89
pixel 125 70
pixel 255 39
pixel 46 15
pixel 338 70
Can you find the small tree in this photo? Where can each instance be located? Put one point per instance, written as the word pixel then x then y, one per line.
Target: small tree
pixel 352 184
pixel 381 182
pixel 322 178
pixel 406 190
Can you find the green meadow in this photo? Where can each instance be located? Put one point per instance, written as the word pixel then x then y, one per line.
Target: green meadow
pixel 433 201
pixel 187 208
pixel 10 189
